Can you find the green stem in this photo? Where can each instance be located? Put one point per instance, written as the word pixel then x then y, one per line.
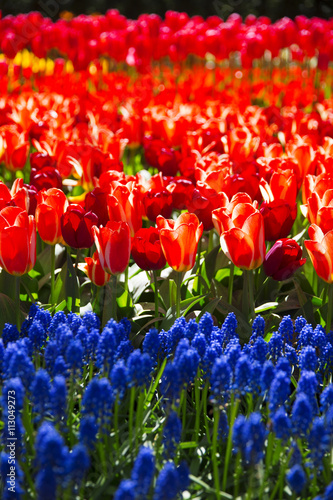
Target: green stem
pixel 197 283
pixel 139 420
pixel 17 302
pixel 156 297
pixel 184 410
pixel 130 417
pixel 52 274
pixel 179 278
pixel 214 452
pixel 231 282
pixel 330 307
pixel 234 408
pixel 204 401
pixel 197 406
pixel 126 288
pixel 210 241
pixel 280 479
pixel 115 423
pixel 249 489
pixel 238 472
pixel 250 282
pixel 245 295
pixel 114 296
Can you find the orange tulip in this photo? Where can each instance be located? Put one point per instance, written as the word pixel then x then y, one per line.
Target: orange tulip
pixel 51 205
pixel 242 235
pixel 124 204
pixel 94 270
pixel 17 241
pixel 319 209
pixel 113 243
pixel 179 240
pixel 320 249
pixel 16 148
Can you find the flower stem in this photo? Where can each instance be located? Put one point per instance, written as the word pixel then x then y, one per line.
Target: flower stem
pixel 250 282
pixel 139 421
pixel 234 408
pixel 156 297
pixel 17 302
pixel 197 283
pixel 197 405
pixel 115 423
pixel 130 417
pixel 126 288
pixel 214 452
pixel 179 278
pixel 114 296
pixel 330 307
pixel 231 282
pixel 52 274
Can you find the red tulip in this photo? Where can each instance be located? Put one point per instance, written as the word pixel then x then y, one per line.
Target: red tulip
pixel 17 241
pixel 51 205
pixel 181 190
pixel 146 249
pixel 179 240
pixel 16 150
pixel 283 259
pixel 76 226
pixel 113 243
pixel 204 200
pixel 242 234
pixel 279 208
pixel 94 270
pixel 319 210
pixel 95 201
pixel 44 174
pixel 157 203
pixel 279 218
pixel 320 249
pixel 124 204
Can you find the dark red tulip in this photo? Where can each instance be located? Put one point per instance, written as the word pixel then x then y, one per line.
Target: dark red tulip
pixel 76 226
pixel 283 259
pixel 181 190
pixel 279 218
pixel 146 249
pixel 157 202
pixel 95 201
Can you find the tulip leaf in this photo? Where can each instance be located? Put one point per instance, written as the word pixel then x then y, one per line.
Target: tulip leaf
pixel 210 307
pixel 139 283
pixel 30 285
pixel 7 283
pixel 185 307
pixel 7 310
pixel 66 286
pixel 266 307
pixel 244 327
pixel 210 263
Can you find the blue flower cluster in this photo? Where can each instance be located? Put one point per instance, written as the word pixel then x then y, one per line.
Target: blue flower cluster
pixel 64 364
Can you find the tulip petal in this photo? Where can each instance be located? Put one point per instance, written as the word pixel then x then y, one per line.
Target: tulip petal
pixel 321 260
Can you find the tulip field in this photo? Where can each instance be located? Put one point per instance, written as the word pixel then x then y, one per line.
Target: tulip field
pixel 166 254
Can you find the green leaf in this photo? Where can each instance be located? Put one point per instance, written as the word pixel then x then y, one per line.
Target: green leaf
pixel 139 283
pixel 7 311
pixel 66 286
pixel 185 306
pixel 7 284
pixel 244 327
pixel 266 307
pixel 210 307
pixel 210 263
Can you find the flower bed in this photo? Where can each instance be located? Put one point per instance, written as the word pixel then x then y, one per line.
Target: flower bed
pixel 191 410
pixel 153 196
